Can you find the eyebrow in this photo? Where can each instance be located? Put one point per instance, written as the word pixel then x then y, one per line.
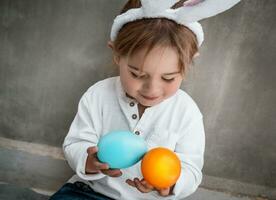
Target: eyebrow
pixel 166 74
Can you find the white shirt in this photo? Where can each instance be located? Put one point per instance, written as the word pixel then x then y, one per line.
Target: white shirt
pixel 176 123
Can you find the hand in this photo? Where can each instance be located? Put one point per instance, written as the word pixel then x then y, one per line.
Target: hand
pixel 145 187
pixel 93 165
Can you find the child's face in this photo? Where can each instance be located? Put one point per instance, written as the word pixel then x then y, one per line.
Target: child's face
pixel 159 79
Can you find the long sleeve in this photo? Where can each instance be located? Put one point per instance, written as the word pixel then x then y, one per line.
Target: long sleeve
pixel 83 133
pixel 175 123
pixel 190 149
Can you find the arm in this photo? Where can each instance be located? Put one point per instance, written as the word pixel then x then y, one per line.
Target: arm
pixel 190 150
pixel 83 133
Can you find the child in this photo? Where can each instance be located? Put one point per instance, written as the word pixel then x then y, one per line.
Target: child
pixel 153 42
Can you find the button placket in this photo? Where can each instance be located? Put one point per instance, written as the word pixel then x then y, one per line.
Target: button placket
pixel 137 132
pixel 134 116
pixel 132 104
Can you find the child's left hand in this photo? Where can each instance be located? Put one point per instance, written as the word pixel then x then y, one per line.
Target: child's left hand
pixel 145 187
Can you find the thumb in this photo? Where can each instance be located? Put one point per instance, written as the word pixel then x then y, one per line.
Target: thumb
pixel 164 192
pixel 92 150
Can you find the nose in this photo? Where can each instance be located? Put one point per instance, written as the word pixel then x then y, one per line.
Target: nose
pixel 151 87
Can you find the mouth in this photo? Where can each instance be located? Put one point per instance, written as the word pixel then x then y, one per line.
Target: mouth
pixel 149 98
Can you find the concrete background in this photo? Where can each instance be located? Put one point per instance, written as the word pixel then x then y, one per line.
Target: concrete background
pixel 52 51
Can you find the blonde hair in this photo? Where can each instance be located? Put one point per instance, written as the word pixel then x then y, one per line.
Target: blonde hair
pixel 148 33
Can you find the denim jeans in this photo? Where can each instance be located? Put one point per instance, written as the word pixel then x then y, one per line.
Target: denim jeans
pixel 77 191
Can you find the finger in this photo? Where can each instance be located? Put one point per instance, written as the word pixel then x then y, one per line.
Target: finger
pixel 92 150
pixel 101 166
pixel 112 172
pixel 164 192
pixel 130 182
pixel 146 184
pixel 140 186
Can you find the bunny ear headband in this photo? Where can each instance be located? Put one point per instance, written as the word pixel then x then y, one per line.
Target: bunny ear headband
pixel 188 15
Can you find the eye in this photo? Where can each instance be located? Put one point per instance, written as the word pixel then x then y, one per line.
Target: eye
pixel 133 74
pixel 168 80
pixel 137 75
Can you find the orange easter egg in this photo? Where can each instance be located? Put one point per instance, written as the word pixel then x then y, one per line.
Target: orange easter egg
pixel 161 167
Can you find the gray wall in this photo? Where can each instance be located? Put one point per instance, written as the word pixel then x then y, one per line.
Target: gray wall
pixel 234 82
pixel 52 51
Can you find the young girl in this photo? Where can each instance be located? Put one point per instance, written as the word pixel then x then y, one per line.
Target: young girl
pixel 153 44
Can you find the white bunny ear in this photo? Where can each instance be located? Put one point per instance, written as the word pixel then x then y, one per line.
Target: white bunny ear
pixel 188 15
pixel 192 2
pixel 156 6
pixel 195 10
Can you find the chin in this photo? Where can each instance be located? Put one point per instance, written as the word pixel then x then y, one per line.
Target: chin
pixel 149 104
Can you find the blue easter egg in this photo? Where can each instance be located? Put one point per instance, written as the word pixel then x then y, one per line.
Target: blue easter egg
pixel 121 149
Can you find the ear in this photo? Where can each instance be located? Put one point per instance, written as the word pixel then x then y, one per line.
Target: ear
pixel 196 55
pixel 116 57
pixel 110 44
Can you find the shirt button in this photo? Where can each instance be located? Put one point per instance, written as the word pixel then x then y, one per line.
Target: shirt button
pixel 137 132
pixel 131 104
pixel 134 116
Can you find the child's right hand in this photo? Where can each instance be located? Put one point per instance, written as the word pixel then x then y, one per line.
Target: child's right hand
pixel 93 165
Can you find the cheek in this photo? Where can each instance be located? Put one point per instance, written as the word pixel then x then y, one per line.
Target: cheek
pixel 129 83
pixel 171 89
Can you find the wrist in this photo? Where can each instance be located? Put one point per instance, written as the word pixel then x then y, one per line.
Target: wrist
pixel 91 172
